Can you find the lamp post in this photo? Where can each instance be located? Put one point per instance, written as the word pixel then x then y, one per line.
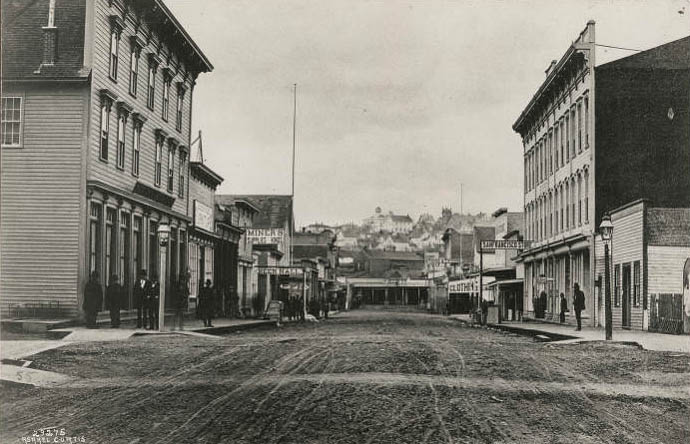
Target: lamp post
pixel 606 228
pixel 163 236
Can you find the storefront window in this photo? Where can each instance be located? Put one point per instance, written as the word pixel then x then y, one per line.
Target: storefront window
pixel 136 246
pixel 193 268
pixel 124 251
pixel 153 250
pixel 173 254
pixel 95 237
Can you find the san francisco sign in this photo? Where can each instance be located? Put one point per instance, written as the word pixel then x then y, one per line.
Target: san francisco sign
pixel 502 244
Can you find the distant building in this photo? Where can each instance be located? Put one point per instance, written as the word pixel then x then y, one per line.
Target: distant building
pixel 391 223
pixel 595 138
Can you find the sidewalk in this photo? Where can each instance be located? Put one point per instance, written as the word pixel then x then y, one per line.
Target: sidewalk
pixel 20 349
pixel 647 340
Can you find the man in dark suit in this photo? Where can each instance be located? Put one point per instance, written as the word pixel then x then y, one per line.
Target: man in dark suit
pixel 578 304
pixel 142 287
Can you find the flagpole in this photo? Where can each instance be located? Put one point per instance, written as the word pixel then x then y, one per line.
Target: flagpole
pixel 292 194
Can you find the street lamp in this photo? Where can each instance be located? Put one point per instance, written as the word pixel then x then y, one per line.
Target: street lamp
pixel 606 229
pixel 163 237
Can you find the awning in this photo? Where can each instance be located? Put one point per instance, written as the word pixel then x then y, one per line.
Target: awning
pixel 505 282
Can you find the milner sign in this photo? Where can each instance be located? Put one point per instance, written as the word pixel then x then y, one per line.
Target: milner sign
pixel 503 244
pixel 264 236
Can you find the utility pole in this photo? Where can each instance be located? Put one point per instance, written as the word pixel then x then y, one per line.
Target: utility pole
pixel 292 192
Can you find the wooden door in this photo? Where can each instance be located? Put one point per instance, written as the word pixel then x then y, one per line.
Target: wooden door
pixel 626 295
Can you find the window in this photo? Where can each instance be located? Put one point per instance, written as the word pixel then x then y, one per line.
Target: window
pixel 134 69
pixel 121 122
pixel 11 121
pixel 124 248
pixel 105 127
pixel 579 127
pixel 159 159
pixel 153 250
pixel 95 237
pixel 166 97
pixel 561 133
pixel 180 102
pixel 152 85
pixel 586 122
pixel 110 245
pixel 616 285
pixel 572 202
pixel 555 215
pixel 579 199
pixel 136 140
pixel 636 283
pixel 136 244
pixel 550 153
pixel 183 167
pixel 171 167
pixel 586 196
pixel 567 206
pixel 562 206
pixel 114 48
pixel 567 139
pixel 573 129
pixel 555 146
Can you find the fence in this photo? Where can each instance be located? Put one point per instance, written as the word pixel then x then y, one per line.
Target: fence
pixel 666 313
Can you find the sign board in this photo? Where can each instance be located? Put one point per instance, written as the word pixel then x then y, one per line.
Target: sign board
pixel 502 244
pixel 280 271
pixel 274 310
pixel 203 216
pixel 263 236
pixel 463 286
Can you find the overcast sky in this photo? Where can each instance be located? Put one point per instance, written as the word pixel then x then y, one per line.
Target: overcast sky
pixel 398 103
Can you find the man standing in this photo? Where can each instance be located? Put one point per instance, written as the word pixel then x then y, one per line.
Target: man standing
pixel 93 299
pixel 206 303
pixel 152 304
pixel 578 304
pixel 564 307
pixel 140 291
pixel 113 300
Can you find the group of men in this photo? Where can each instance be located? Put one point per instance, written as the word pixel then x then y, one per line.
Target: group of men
pixel 146 295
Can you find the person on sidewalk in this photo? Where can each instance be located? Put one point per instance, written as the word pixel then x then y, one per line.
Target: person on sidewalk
pixel 113 300
pixel 93 300
pixel 578 304
pixel 181 301
pixel 140 293
pixel 206 303
pixel 564 307
pixel 152 304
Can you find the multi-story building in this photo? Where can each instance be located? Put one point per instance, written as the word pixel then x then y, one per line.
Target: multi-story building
pixel 96 117
pixel 594 138
pixel 391 223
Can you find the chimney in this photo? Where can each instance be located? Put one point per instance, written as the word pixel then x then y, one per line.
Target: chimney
pixel 551 66
pixel 50 37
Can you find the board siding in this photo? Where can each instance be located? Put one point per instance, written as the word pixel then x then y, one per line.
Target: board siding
pixel 666 268
pixel 628 238
pixel 41 200
pixel 108 172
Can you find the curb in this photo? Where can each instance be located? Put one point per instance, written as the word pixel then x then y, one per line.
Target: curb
pixel 232 328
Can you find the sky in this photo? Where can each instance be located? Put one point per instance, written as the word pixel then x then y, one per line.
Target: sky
pixel 398 103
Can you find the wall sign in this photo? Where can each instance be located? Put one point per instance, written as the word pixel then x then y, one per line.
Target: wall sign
pixel 203 216
pixel 263 236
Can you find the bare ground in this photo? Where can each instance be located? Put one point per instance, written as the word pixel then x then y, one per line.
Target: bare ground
pixel 365 377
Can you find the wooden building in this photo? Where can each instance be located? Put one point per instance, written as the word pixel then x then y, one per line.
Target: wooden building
pixel 594 138
pixel 650 248
pixel 96 117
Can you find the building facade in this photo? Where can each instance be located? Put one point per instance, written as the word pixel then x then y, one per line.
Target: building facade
pixel 96 129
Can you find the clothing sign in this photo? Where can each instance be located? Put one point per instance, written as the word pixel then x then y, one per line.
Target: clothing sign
pixel 503 244
pixel 263 236
pixel 203 216
pixel 464 286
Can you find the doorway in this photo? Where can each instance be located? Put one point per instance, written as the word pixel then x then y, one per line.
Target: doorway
pixel 626 296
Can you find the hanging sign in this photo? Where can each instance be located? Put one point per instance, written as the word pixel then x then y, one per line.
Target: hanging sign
pixel 502 244
pixel 263 236
pixel 280 271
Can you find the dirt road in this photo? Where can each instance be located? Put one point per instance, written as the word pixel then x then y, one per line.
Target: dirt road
pixel 364 377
